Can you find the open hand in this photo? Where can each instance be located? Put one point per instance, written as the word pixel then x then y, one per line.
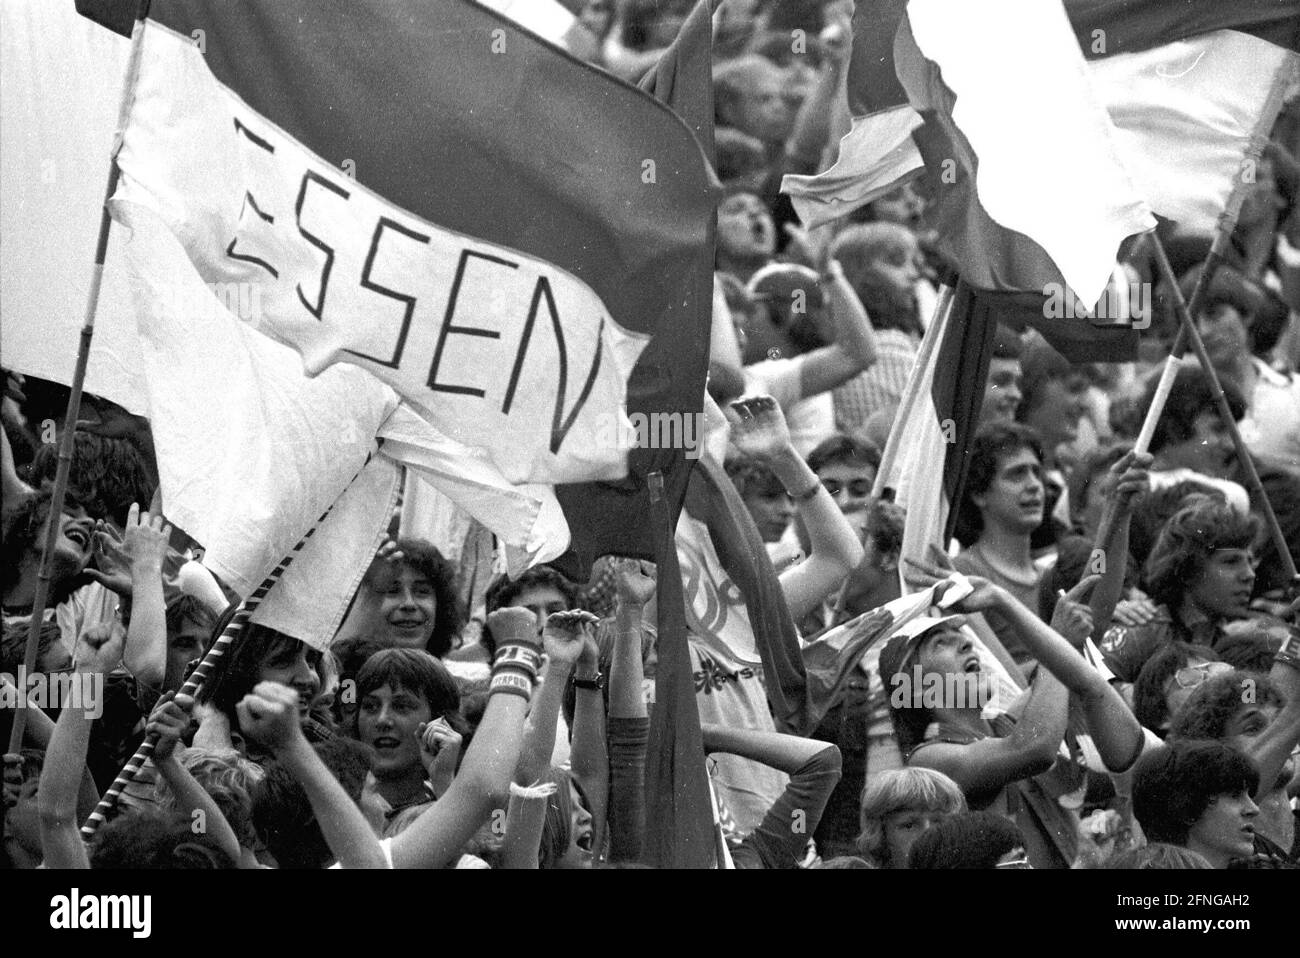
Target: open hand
pixel 758 428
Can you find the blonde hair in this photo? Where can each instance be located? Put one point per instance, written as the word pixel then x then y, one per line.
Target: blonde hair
pixel 899 790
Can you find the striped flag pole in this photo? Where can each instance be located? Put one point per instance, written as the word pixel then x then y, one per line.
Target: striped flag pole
pixel 209 663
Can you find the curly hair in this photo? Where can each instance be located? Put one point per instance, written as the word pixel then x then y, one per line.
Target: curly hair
pixel 229 778
pixel 1174 785
pixel 1189 538
pixel 965 840
pixel 424 558
pixel 21 532
pixel 1153 510
pixel 1210 708
pixel 109 474
pixel 991 443
pixel 902 790
pixel 152 838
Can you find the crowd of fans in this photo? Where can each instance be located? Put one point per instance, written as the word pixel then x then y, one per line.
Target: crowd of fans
pixel 452 725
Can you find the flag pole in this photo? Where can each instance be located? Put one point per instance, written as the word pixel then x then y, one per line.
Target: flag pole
pixel 1253 483
pixel 1218 251
pixel 64 468
pixel 211 660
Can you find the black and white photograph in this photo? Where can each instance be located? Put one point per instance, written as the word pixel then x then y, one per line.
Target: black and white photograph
pixel 651 435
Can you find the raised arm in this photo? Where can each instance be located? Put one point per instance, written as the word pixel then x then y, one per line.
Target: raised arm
pixel 854 349
pixel 170 718
pixel 1131 480
pixel 270 714
pixel 1272 748
pixel 588 752
pixel 629 724
pixel 987 766
pixel 145 542
pixel 760 431
pixel 814 767
pixel 482 784
pixel 1115 730
pixel 563 639
pixel 99 652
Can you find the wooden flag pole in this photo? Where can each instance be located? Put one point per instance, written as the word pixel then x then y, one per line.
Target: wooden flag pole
pixel 1253 483
pixel 59 494
pixel 1218 249
pixel 1106 527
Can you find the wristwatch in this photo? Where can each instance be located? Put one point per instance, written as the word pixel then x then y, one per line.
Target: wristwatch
pixel 594 684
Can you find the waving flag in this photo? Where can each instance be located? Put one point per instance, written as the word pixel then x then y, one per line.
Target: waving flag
pixel 1042 163
pixel 878 153
pixel 413 203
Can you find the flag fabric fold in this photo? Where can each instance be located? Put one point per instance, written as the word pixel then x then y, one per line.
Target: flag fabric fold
pixel 522 296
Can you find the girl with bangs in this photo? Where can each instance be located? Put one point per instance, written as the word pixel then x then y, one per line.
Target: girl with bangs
pixel 900 805
pixel 409 715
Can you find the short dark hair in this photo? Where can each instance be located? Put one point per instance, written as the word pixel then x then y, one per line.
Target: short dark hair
pixel 416 671
pixel 965 840
pixel 992 442
pixel 1186 543
pixel 1209 709
pixel 1189 396
pixel 148 837
pixel 503 592
pixel 846 449
pixel 1174 784
pixel 187 607
pixel 1149 689
pixel 243 664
